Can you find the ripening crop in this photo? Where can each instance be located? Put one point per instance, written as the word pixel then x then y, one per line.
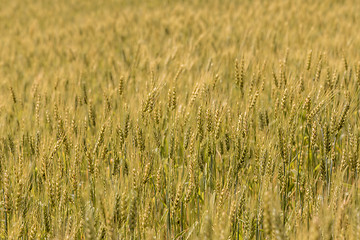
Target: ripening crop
pixel 186 119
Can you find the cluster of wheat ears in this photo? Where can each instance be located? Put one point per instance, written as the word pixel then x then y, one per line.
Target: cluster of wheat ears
pixel 179 120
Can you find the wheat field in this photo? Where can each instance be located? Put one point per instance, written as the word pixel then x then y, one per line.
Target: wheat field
pixel 186 119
